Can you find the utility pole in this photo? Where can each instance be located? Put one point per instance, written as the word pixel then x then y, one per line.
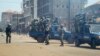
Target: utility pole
pixel 35 9
pixel 17 23
pixel 69 28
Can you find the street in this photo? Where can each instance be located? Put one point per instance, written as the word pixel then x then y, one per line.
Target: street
pixel 23 45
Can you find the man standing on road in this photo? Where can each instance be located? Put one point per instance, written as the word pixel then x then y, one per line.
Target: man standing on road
pixel 47 31
pixel 8 33
pixel 61 35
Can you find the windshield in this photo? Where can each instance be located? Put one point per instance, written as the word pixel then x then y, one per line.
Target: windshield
pixel 95 28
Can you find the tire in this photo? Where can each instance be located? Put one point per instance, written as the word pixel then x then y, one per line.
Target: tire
pixel 40 40
pixel 77 43
pixel 93 46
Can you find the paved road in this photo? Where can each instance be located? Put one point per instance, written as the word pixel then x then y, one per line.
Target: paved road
pixel 23 45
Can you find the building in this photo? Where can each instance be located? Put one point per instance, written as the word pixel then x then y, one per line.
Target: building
pixel 6 18
pixel 30 12
pixel 27 12
pixel 28 8
pixel 16 21
pixel 93 13
pixel 64 10
pixel 13 18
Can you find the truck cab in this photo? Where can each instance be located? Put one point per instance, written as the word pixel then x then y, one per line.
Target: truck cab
pixel 83 33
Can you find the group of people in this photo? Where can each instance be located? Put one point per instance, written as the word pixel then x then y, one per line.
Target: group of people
pixel 61 32
pixel 47 31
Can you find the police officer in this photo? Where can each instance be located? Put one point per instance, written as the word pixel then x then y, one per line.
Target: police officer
pixel 61 35
pixel 47 31
pixel 8 33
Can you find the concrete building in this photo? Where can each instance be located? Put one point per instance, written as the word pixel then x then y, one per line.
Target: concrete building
pixel 30 11
pixel 6 18
pixel 16 17
pixel 27 11
pixel 93 13
pixel 65 10
pixel 13 18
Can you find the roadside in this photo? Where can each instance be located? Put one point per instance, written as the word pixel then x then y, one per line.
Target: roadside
pixel 23 45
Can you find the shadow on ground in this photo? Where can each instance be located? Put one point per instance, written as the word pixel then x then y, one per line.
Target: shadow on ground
pixel 86 47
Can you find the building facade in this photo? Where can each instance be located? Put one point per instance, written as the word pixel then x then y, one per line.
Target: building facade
pixel 12 18
pixel 64 10
pixel 6 19
pixel 93 13
pixel 29 11
pixel 16 17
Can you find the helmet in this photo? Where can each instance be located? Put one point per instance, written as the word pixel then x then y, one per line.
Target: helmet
pixel 9 25
pixel 61 25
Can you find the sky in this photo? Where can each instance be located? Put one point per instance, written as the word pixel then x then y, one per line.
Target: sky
pixel 15 5
pixel 90 2
pixel 8 5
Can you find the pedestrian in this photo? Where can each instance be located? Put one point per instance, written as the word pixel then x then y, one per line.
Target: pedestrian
pixel 8 33
pixel 61 35
pixel 47 32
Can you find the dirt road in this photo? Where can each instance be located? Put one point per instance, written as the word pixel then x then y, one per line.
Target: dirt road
pixel 22 45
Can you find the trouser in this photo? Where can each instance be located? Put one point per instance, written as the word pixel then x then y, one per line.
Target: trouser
pixel 47 39
pixel 8 38
pixel 61 40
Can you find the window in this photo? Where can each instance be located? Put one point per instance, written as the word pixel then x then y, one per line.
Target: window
pixel 62 6
pixel 57 6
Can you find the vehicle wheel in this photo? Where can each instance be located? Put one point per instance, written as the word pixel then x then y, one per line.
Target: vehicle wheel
pixel 40 40
pixel 93 44
pixel 77 43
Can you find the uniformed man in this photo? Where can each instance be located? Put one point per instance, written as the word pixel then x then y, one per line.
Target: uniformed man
pixel 8 33
pixel 47 31
pixel 61 35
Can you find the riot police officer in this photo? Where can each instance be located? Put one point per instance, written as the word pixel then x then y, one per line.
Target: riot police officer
pixel 47 31
pixel 61 35
pixel 8 33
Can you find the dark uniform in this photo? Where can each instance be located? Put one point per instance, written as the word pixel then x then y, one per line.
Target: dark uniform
pixel 61 35
pixel 8 34
pixel 47 31
pixel 47 34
